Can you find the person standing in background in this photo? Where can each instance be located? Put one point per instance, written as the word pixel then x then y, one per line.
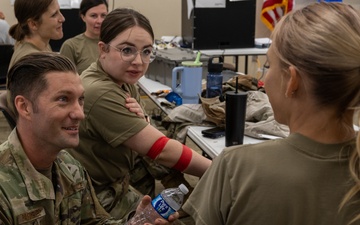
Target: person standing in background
pixel 83 48
pixel 5 38
pixel 312 176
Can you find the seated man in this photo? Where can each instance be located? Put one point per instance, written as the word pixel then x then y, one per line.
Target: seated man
pixel 40 183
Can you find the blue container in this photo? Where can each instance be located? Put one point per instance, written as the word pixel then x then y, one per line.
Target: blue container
pixel 214 78
pixel 190 86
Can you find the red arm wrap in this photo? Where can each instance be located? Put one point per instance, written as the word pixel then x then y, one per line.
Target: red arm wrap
pixel 184 159
pixel 157 147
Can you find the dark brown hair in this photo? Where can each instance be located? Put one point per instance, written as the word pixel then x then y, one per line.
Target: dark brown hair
pixel 25 10
pixel 27 76
pixel 121 19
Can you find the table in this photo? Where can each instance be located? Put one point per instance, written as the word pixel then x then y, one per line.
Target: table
pixel 149 86
pixel 213 147
pixel 236 52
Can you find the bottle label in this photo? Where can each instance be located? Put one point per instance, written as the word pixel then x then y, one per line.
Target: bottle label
pixel 162 207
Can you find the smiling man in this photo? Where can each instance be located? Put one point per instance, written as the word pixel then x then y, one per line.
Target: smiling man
pixel 40 182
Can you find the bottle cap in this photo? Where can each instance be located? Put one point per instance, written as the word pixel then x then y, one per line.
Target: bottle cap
pixel 215 67
pixel 183 189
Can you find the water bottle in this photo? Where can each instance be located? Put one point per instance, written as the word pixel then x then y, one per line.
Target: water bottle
pixel 214 78
pixel 166 203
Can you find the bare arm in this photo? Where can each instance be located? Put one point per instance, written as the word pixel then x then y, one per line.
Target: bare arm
pixel 142 142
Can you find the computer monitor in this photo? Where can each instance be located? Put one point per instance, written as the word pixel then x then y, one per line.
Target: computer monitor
pixel 220 28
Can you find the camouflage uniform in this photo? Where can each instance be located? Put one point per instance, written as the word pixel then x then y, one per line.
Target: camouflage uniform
pixel 29 197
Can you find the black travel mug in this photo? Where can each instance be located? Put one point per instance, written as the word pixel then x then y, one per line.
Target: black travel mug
pixel 235 111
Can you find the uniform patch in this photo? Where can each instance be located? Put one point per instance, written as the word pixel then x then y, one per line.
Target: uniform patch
pixel 31 215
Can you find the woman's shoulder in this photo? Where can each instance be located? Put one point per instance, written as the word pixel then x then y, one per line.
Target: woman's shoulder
pixel 73 41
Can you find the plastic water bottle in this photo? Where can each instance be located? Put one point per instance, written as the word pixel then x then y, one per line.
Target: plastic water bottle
pixel 166 203
pixel 214 78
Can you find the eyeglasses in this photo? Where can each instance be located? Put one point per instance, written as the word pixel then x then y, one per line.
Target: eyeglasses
pixel 129 53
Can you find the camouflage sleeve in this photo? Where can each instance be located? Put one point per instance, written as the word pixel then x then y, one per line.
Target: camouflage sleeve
pixel 5 214
pixel 93 207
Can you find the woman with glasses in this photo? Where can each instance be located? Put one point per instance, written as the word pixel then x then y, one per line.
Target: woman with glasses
pixel 111 136
pixel 82 49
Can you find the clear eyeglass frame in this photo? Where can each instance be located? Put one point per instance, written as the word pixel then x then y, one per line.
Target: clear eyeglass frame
pixel 129 53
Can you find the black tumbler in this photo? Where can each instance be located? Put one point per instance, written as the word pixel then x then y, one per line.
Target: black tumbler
pixel 235 110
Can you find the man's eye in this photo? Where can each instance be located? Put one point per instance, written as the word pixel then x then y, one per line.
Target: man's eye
pixel 266 65
pixel 81 101
pixel 63 99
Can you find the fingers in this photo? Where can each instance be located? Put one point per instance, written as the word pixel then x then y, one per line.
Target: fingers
pixel 144 202
pixel 174 217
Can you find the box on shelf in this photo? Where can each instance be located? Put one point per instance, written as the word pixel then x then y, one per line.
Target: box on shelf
pixel 167 59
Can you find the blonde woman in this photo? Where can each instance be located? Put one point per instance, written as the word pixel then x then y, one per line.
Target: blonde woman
pixel 313 84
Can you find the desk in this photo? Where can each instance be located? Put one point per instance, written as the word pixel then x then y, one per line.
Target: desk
pixel 149 86
pixel 237 52
pixel 213 147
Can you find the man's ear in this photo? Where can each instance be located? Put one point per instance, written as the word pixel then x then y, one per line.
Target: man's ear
pixel 293 82
pixel 23 106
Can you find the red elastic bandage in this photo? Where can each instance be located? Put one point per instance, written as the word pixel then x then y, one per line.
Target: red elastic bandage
pixel 157 147
pixel 184 159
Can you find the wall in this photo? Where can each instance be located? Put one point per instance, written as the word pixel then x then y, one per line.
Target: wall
pixel 165 16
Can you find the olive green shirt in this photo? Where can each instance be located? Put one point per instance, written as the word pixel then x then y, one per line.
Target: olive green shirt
pixel 107 124
pixel 81 50
pixel 293 181
pixel 23 48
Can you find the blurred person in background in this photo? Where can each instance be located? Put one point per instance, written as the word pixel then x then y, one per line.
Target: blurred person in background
pixel 83 48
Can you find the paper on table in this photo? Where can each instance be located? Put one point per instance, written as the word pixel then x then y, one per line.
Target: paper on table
pixel 210 4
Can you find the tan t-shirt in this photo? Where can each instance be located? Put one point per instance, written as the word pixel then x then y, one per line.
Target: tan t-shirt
pixel 293 181
pixel 81 50
pixel 23 48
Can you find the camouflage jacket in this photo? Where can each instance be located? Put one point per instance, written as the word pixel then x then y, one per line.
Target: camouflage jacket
pixel 29 197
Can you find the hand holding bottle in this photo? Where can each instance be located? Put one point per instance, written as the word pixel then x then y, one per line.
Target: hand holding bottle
pixel 160 221
pixel 162 207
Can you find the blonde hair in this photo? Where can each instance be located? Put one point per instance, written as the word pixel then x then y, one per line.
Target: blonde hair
pixel 322 41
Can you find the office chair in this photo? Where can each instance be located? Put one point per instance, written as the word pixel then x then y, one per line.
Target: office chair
pixel 6 51
pixel 9 116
